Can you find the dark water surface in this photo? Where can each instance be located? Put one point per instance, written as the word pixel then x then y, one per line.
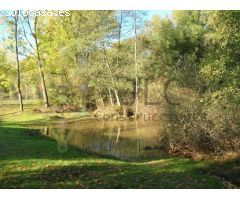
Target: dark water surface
pixel 126 140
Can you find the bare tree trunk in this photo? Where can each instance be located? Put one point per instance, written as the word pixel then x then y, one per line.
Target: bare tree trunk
pixel 18 65
pixel 39 64
pixel 117 97
pixel 119 43
pixel 135 61
pixel 112 79
pixel 79 59
pixel 119 37
pixel 110 96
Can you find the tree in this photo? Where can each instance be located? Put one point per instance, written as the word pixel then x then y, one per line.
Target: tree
pixel 67 47
pixel 31 26
pixel 221 69
pixel 177 46
pixel 13 44
pixel 111 76
pixel 17 61
pixel 135 62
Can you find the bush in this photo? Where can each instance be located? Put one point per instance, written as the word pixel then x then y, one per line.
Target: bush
pixel 205 129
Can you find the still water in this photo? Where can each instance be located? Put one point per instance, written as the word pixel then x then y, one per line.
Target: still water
pixel 125 140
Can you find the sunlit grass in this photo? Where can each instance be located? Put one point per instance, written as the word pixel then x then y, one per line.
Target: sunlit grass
pixel 34 162
pixel 9 114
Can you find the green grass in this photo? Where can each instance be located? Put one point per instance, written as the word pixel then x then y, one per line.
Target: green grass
pixel 30 161
pixel 33 161
pixel 10 115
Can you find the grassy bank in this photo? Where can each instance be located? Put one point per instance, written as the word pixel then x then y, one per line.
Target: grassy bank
pixel 9 115
pixel 33 161
pixel 29 161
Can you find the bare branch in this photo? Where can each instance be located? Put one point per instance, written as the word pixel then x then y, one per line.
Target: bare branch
pixel 29 25
pixel 29 51
pixel 25 35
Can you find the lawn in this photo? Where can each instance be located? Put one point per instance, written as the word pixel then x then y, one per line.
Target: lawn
pixel 30 160
pixel 9 114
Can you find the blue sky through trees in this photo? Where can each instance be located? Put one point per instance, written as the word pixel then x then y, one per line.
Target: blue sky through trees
pixel 149 14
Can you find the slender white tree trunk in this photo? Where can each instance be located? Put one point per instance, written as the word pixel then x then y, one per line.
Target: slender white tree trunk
pixel 135 63
pixel 39 64
pixel 111 75
pixel 117 97
pixel 18 64
pixel 110 96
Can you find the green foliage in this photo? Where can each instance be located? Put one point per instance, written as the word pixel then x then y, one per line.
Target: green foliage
pixel 6 71
pixel 177 46
pixel 88 60
pixel 88 57
pixel 221 70
pixel 66 44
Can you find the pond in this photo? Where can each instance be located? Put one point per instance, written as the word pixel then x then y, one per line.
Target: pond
pixel 125 140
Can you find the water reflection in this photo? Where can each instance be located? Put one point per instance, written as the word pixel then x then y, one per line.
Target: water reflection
pixel 126 140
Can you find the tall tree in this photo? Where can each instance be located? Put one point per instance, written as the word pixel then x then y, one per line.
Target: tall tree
pixel 135 62
pixel 34 30
pixel 221 70
pixel 111 75
pixel 17 61
pixel 12 45
pixel 177 46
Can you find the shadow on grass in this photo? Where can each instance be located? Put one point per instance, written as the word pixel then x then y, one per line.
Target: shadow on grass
pixel 22 143
pixel 28 161
pixel 228 170
pixel 109 175
pixel 19 143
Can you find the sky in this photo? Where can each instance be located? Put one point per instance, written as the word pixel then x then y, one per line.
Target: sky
pixel 162 13
pixel 149 14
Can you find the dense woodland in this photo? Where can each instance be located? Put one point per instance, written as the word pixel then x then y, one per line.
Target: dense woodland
pixel 101 61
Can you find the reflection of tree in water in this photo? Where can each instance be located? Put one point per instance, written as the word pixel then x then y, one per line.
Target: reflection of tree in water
pixel 62 136
pixel 46 131
pixel 123 140
pixel 138 140
pixel 110 132
pixel 118 144
pixel 62 147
